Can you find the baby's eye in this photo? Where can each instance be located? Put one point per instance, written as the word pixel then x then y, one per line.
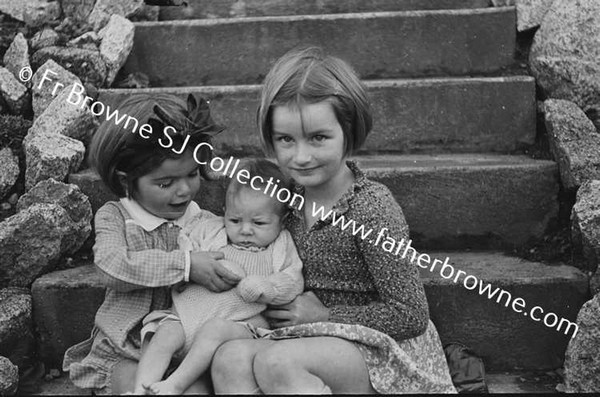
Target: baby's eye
pixel 260 223
pixel 319 138
pixel 234 220
pixel 165 185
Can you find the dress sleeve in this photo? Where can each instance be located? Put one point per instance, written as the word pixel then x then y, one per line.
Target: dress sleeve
pixel 283 285
pixel 124 269
pixel 402 311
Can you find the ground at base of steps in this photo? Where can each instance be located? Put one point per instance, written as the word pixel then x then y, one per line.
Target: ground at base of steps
pixel 506 382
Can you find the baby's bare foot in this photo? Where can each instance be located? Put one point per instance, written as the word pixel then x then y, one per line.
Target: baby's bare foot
pixel 166 388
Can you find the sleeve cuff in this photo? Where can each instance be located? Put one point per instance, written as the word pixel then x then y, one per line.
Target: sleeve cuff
pixel 186 268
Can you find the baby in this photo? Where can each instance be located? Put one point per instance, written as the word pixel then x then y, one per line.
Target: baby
pixel 256 247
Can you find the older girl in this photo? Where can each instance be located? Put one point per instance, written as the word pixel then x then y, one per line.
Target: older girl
pixel 361 326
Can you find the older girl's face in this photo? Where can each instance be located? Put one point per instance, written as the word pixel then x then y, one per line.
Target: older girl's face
pixel 309 143
pixel 168 190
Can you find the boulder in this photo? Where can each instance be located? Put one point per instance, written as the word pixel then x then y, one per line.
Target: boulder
pixel 87 64
pixel 44 90
pixel 51 156
pixel 582 359
pixel 62 117
pixel 530 13
pixel 44 38
pixel 117 41
pixel 13 92
pixel 9 171
pixel 77 10
pixel 574 142
pixel 32 242
pixel 9 377
pixel 103 9
pixel 18 9
pixel 17 55
pixel 565 54
pixel 69 197
pixel 16 330
pixel 585 224
pixel 42 13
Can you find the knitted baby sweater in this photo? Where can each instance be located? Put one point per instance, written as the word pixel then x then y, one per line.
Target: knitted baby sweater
pixel 271 276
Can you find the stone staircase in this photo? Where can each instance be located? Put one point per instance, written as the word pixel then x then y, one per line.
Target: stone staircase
pixel 453 124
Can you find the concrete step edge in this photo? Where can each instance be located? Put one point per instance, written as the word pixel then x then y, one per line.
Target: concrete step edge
pixel 326 17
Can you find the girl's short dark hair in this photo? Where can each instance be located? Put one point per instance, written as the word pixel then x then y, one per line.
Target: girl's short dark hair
pixel 115 148
pixel 307 76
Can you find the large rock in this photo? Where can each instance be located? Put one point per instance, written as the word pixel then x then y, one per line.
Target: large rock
pixel 17 55
pixel 103 9
pixel 574 142
pixel 530 13
pixel 62 117
pixel 87 64
pixel 565 55
pixel 14 93
pixel 19 9
pixel 585 224
pixel 117 41
pixel 9 377
pixel 43 13
pixel 582 360
pixel 16 333
pixel 44 38
pixel 32 241
pixel 9 171
pixel 45 89
pixel 69 197
pixel 51 156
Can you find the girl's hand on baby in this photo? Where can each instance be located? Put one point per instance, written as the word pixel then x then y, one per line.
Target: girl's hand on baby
pixel 206 270
pixel 306 308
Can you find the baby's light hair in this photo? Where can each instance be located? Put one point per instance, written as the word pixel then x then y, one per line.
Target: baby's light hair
pixel 307 76
pixel 266 170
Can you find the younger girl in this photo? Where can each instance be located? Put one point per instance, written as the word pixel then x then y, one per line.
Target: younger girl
pixel 255 245
pixel 363 322
pixel 136 249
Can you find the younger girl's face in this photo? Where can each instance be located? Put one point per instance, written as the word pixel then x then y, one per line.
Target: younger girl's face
pixel 309 143
pixel 167 191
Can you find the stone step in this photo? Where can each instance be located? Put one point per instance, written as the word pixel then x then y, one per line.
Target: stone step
pixel 378 45
pixel 505 339
pixel 484 114
pixel 64 303
pixel 199 9
pixel 450 201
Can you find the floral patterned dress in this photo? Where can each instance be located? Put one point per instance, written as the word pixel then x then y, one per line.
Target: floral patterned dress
pixel 376 298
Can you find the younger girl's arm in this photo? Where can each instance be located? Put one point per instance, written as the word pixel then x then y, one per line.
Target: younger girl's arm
pixel 126 269
pixel 280 287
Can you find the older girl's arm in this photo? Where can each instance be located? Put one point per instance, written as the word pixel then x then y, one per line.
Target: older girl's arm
pixel 402 311
pixel 126 270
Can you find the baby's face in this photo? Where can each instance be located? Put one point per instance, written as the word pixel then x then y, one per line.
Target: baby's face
pixel 252 218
